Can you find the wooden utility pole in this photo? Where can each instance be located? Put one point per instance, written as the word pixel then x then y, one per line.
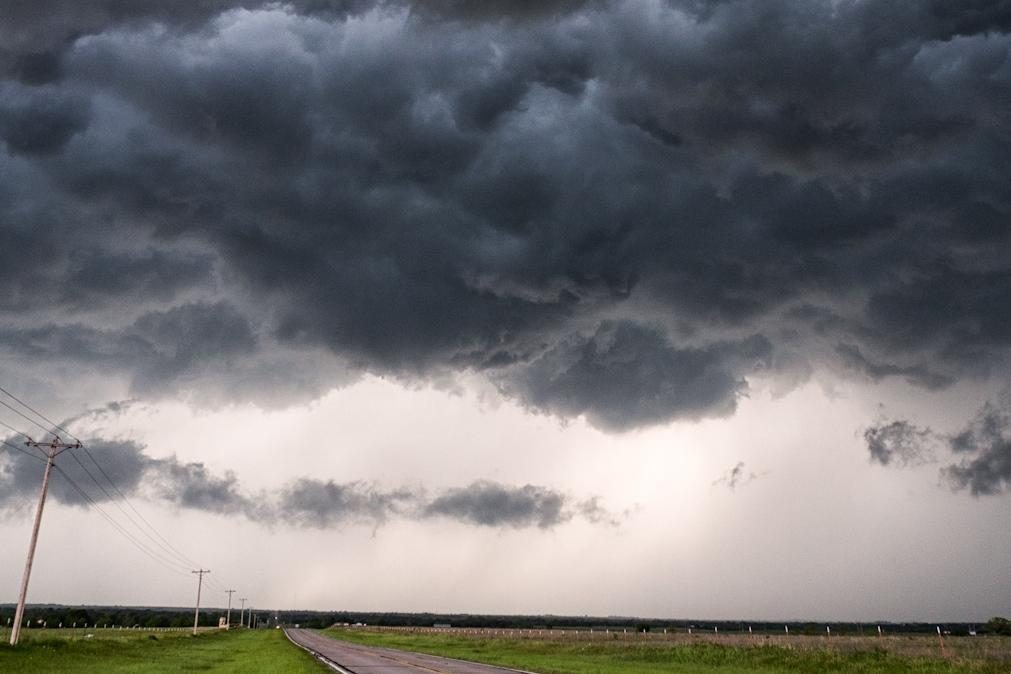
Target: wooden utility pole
pixel 228 618
pixel 200 581
pixel 51 449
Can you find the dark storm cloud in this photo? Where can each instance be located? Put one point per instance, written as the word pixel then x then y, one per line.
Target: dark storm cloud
pixel 491 504
pixel 627 375
pixel 160 349
pixel 499 9
pixel 21 476
pixel 973 16
pixel 986 444
pixel 611 208
pixel 193 486
pixel 982 449
pixel 853 358
pixel 40 123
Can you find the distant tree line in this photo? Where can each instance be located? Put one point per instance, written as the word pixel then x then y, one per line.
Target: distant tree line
pixel 126 616
pixel 81 616
pixel 999 626
pixel 630 624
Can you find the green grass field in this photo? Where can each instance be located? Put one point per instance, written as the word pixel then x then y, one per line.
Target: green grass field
pixel 150 652
pixel 630 657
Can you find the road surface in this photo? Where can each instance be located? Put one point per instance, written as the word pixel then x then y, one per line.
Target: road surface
pixel 374 660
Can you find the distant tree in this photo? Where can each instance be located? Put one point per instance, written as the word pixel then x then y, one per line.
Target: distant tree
pixel 998 625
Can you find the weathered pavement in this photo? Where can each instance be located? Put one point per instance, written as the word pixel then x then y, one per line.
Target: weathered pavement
pixel 375 660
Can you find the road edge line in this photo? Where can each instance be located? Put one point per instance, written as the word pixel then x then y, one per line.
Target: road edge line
pixel 319 656
pixel 447 657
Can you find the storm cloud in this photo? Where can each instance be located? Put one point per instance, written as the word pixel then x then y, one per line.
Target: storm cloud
pixel 981 450
pixel 986 445
pixel 21 474
pixel 627 375
pixel 320 504
pixel 492 505
pixel 109 471
pixel 620 210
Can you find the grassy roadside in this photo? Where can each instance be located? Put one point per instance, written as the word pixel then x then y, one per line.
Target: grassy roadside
pixel 145 652
pixel 552 657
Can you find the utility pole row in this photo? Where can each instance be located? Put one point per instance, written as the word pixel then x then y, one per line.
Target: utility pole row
pixel 51 449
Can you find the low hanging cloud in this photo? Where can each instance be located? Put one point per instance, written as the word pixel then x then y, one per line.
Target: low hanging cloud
pixel 306 502
pixel 853 358
pixel 981 451
pixel 627 375
pixel 491 504
pixel 21 475
pixel 321 504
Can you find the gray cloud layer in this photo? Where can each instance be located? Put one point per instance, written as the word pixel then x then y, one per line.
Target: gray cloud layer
pixel 982 449
pixel 615 209
pixel 307 502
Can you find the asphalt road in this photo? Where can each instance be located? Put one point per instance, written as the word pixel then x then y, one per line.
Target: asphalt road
pixel 373 660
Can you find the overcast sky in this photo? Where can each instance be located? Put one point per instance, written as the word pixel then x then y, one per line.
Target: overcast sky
pixel 672 308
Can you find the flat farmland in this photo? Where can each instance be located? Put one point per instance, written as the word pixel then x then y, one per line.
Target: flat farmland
pixel 599 652
pixel 154 651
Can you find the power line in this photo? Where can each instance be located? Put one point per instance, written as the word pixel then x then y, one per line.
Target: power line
pixel 37 413
pixel 23 451
pixel 125 513
pixel 172 554
pixel 52 449
pixel 165 544
pixel 26 417
pixel 116 525
pixel 12 429
pixel 181 560
pixel 108 496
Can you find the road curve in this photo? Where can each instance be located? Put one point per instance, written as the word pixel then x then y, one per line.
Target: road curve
pixel 358 659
